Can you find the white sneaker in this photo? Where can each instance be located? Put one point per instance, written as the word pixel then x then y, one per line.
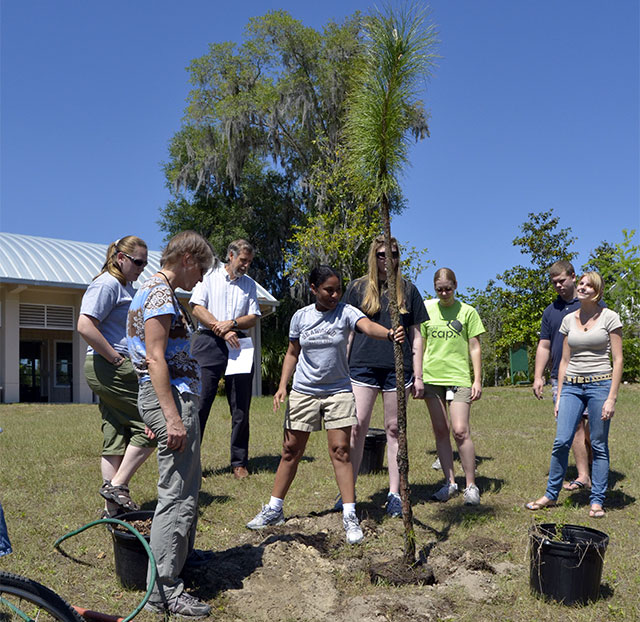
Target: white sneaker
pixel 436 466
pixel 266 517
pixel 445 493
pixel 352 528
pixel 471 495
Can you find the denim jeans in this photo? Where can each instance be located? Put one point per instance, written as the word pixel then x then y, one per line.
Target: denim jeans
pixel 575 398
pixel 5 545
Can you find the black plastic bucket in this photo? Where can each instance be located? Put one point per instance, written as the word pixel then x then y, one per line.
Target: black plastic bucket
pixel 568 568
pixel 130 556
pixel 375 443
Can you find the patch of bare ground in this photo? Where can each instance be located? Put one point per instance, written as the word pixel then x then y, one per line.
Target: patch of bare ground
pixel 303 571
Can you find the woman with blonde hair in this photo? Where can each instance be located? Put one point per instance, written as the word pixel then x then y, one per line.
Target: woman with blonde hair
pixel 588 376
pixel 372 363
pixel 451 338
pixel 109 373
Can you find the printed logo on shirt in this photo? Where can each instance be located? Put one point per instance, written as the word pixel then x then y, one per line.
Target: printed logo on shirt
pixel 318 336
pixel 454 329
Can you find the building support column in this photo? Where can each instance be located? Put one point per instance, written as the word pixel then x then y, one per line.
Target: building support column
pixel 82 394
pixel 11 354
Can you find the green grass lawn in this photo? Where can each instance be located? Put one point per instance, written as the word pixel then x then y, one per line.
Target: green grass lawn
pixel 49 478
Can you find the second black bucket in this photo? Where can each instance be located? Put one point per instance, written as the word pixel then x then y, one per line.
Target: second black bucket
pixel 375 443
pixel 567 566
pixel 129 555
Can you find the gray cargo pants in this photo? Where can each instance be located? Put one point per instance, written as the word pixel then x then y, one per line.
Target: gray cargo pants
pixel 179 474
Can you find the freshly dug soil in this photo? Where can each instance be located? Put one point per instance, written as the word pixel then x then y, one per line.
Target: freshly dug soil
pixel 143 526
pixel 304 571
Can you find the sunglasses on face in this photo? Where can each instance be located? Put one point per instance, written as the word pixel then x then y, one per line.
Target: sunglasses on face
pixel 141 263
pixel 444 289
pixel 383 255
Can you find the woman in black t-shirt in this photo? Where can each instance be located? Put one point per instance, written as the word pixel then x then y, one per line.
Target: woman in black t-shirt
pixel 371 362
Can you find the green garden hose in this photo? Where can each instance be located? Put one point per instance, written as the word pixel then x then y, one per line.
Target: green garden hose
pixel 140 537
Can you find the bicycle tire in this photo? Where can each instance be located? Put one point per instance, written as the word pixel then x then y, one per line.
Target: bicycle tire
pixel 37 601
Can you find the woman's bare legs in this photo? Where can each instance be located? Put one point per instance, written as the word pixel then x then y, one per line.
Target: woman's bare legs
pixel 390 401
pixel 120 469
pixel 293 447
pixel 581 452
pixel 365 401
pixel 459 413
pixel 109 466
pixel 338 442
pixel 440 423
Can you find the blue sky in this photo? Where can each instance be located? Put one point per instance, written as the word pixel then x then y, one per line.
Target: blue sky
pixel 534 105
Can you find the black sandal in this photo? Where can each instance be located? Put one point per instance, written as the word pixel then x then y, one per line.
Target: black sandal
pixel 118 495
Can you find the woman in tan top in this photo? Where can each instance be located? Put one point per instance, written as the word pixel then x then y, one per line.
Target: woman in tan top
pixel 586 378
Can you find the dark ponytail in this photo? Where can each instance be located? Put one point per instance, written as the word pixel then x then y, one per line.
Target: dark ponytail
pixel 320 274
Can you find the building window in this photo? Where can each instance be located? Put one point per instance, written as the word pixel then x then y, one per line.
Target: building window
pixel 64 367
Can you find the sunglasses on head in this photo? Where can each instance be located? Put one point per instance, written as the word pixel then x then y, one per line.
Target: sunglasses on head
pixel 141 263
pixel 383 255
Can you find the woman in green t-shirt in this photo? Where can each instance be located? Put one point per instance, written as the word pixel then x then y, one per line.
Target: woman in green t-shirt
pixel 450 338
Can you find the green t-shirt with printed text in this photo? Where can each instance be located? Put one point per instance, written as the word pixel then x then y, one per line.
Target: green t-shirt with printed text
pixel 446 336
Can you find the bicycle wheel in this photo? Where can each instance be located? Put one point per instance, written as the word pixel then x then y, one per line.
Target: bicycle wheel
pixel 33 601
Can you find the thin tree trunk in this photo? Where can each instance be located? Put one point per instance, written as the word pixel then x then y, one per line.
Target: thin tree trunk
pixel 409 555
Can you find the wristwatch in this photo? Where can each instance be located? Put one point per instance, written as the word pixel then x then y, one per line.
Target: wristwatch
pixel 235 324
pixel 117 360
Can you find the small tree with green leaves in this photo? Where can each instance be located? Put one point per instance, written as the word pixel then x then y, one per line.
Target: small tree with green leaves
pixel 382 110
pixel 527 289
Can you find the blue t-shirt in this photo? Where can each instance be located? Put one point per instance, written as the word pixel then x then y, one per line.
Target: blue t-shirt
pixel 153 299
pixel 322 367
pixel 108 301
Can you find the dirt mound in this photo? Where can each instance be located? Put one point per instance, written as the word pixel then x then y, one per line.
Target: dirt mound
pixel 301 571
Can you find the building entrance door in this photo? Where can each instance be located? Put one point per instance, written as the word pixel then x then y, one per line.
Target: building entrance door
pixel 33 388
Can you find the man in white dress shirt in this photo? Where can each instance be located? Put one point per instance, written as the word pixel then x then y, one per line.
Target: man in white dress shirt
pixel 225 304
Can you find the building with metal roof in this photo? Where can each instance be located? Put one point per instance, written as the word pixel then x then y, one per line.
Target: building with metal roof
pixel 42 281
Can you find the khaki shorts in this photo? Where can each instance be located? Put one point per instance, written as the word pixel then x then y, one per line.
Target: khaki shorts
pixel 306 412
pixel 117 388
pixel 460 394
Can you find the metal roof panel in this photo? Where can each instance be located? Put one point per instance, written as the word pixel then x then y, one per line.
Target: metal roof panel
pixel 33 260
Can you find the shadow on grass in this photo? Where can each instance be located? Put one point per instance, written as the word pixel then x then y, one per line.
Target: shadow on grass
pixel 618 499
pixel 456 457
pixel 422 493
pixel 455 513
pixel 257 464
pixel 226 571
pixel 205 499
pixel 615 477
pixel 615 498
pixel 606 591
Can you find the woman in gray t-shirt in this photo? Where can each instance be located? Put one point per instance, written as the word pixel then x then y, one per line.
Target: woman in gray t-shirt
pixel 589 376
pixel 109 372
